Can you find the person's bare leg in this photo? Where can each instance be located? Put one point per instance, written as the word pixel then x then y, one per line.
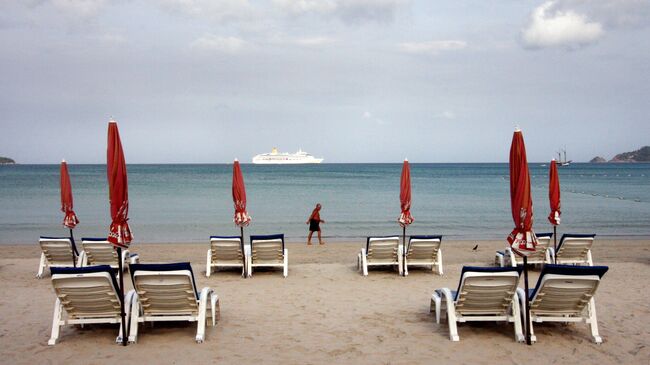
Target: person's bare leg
pixel 320 241
pixel 309 238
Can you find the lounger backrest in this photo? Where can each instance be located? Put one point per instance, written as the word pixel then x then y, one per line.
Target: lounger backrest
pixel 87 292
pixel 267 249
pixel 423 248
pixel 486 290
pixel 58 251
pixel 165 289
pixel 564 289
pixel 574 247
pixel 100 252
pixel 226 249
pixel 382 248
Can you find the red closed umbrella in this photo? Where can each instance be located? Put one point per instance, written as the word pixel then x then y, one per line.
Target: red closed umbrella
pixel 405 217
pixel 120 234
pixel 522 239
pixel 554 199
pixel 241 218
pixel 70 219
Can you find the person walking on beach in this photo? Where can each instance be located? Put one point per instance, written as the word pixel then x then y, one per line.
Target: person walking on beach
pixel 314 222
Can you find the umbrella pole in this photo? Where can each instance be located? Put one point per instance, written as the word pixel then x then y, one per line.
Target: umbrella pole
pixel 555 244
pixel 243 251
pixel 527 306
pixel 122 313
pixel 74 249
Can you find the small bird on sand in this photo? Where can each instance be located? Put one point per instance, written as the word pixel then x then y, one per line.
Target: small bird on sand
pixel 475 248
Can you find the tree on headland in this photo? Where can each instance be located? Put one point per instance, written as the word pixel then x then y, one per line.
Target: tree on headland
pixel 6 161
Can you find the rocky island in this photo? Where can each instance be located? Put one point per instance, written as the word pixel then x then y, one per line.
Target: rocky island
pixel 6 161
pixel 640 155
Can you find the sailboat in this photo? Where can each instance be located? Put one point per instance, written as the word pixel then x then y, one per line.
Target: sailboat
pixel 562 161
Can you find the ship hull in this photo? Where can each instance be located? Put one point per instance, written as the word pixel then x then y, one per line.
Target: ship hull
pixel 259 161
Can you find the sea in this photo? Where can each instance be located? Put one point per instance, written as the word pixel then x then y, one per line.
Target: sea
pixel 179 203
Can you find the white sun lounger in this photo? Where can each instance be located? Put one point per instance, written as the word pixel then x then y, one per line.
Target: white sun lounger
pixel 424 251
pixel 98 251
pixel 575 249
pixel 565 293
pixel 167 292
pixel 484 294
pixel 86 295
pixel 225 251
pixel 268 251
pixel 380 251
pixel 543 254
pixel 56 251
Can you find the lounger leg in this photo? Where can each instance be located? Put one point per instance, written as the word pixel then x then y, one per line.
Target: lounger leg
pixel 216 309
pixel 41 266
pixel 516 314
pixel 250 267
pixel 590 261
pixel 135 318
pixel 208 269
pixel 203 303
pixel 548 259
pixel 436 301
pixel 125 261
pixel 364 262
pixel 513 259
pixel 451 315
pixel 406 267
pixel 440 262
pixel 593 321
pixel 400 257
pixel 286 262
pixel 56 322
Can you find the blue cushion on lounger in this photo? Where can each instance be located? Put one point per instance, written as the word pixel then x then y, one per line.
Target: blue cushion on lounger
pixel 86 270
pixel 572 270
pixel 95 239
pixel 545 235
pixel 268 237
pixel 425 237
pixel 225 237
pixel 164 267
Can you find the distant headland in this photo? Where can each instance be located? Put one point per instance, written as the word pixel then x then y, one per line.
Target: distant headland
pixel 640 155
pixel 6 161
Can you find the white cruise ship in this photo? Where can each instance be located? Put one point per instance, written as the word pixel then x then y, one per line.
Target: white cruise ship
pixel 275 157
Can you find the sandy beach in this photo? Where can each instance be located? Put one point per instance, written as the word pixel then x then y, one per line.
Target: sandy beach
pixel 325 312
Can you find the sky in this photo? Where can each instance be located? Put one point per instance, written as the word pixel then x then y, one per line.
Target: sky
pixel 207 81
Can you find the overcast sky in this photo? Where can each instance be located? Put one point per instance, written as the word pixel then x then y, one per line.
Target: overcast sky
pixel 348 80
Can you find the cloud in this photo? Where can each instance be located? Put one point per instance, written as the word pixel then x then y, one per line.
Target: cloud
pixel 349 11
pixel 80 8
pixel 447 114
pixel 211 42
pixel 369 116
pixel 432 47
pixel 216 10
pixel 313 41
pixel 550 26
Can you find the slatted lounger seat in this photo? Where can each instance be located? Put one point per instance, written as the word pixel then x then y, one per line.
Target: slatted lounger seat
pixel 380 251
pixel 86 295
pixel 268 251
pixel 565 293
pixel 484 294
pixel 56 251
pixel 424 251
pixel 98 251
pixel 543 254
pixel 167 292
pixel 225 251
pixel 575 249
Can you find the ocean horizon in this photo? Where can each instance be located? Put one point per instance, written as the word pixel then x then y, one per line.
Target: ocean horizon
pixel 188 202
